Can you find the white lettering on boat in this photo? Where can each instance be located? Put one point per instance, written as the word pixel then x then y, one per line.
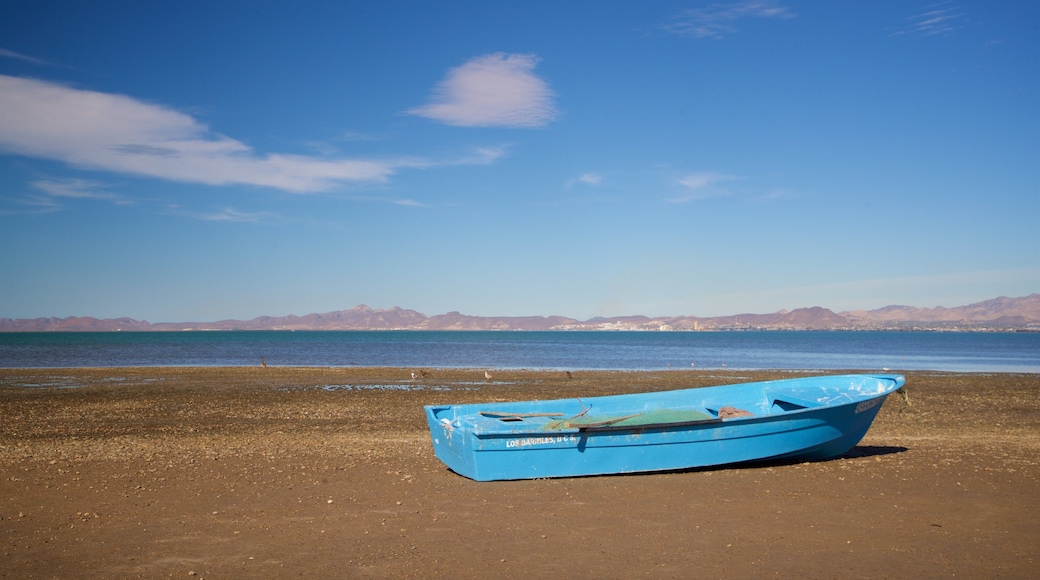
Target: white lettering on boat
pixel 867 405
pixel 528 441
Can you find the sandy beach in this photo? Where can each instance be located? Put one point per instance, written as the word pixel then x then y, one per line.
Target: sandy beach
pixel 329 472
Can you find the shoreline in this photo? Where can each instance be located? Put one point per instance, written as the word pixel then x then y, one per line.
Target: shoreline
pixel 452 371
pixel 259 472
pixel 643 351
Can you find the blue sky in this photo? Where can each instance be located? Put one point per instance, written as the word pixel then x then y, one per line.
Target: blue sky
pixel 189 161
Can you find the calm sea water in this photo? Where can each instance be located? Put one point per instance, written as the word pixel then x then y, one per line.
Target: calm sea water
pixel 943 351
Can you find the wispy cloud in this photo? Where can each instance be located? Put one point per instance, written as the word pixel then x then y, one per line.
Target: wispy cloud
pixel 409 203
pixel 223 214
pixel 938 19
pixel 117 133
pixel 228 214
pixel 701 186
pixel 718 20
pixel 52 195
pixel 484 156
pixel 493 90
pixel 32 204
pixel 359 136
pixel 76 189
pixel 4 53
pixel 586 179
pixel 772 195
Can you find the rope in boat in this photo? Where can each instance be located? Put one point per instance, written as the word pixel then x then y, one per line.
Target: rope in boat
pixel 497 415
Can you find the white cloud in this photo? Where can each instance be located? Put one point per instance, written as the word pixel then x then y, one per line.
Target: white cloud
pixel 772 195
pixel 409 203
pixel 52 193
pixel 717 20
pixel 701 186
pixel 587 179
pixel 484 156
pixel 118 133
pixel 74 189
pixel 359 136
pixel 4 53
pixel 493 90
pixel 228 214
pixel 225 214
pixel 940 19
pixel 32 204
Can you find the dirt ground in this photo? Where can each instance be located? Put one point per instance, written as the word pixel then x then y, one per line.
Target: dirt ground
pixel 329 472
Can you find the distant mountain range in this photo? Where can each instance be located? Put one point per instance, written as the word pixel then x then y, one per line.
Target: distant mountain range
pixel 997 314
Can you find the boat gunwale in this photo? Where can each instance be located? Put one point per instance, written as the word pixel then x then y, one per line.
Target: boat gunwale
pixel 479 428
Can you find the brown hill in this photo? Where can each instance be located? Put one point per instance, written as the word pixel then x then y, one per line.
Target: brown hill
pixel 999 313
pixel 814 318
pixel 1023 310
pixel 72 324
pixel 458 321
pixel 358 318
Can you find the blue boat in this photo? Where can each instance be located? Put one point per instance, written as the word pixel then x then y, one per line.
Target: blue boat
pixel 794 419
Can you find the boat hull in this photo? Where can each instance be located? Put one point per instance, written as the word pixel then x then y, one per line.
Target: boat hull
pixel 795 419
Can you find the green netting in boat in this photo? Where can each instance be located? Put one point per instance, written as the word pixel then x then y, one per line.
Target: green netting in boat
pixel 644 418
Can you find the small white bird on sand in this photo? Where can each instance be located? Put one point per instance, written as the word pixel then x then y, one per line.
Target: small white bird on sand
pixel 487 375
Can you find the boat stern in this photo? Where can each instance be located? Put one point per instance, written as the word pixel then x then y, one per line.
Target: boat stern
pixel 450 443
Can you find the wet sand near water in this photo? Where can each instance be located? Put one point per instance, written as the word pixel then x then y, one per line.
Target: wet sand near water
pixel 329 472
